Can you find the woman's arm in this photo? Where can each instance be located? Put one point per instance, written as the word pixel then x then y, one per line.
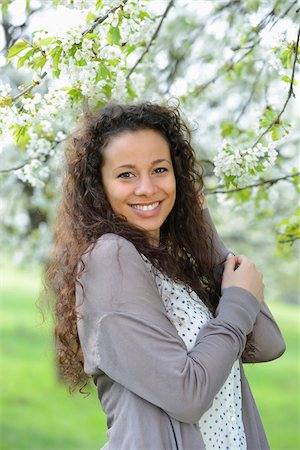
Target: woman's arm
pixel 125 332
pixel 265 343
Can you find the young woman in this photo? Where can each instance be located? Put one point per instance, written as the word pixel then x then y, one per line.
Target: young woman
pixel 147 295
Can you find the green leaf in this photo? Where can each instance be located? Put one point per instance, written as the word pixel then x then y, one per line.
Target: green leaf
pixel 15 49
pixel 24 58
pixel 243 196
pixel 286 57
pixel 4 8
pixel 113 35
pixel 56 54
pixel 276 134
pixel 74 49
pixel 47 41
pixel 81 62
pixel 130 89
pixel 103 73
pixel 91 36
pixel 40 62
pixel 76 94
pixel 5 101
pixel 144 14
pixel 286 79
pixel 112 62
pixel 230 180
pixel 129 49
pixel 108 89
pixel 227 128
pixel 21 136
pixel 98 4
pixel 90 16
pixel 259 168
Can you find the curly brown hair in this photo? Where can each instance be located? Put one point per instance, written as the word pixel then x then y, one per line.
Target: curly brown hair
pixel 85 215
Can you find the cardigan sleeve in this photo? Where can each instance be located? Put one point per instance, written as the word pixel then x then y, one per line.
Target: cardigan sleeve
pixel 125 332
pixel 265 342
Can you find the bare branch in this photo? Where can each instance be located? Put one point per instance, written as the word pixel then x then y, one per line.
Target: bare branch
pixel 223 70
pixel 251 94
pixel 285 13
pixel 231 64
pixel 170 4
pixel 290 94
pixel 250 186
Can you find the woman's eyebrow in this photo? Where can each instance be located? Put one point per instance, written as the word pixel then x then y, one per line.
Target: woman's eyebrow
pixel 157 161
pixel 132 166
pixel 127 166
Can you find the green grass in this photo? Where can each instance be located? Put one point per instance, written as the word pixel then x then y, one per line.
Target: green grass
pixel 38 413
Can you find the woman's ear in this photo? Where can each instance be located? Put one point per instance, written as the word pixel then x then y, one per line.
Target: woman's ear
pixel 202 200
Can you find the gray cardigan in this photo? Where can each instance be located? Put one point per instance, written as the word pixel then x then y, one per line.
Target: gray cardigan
pixel 152 390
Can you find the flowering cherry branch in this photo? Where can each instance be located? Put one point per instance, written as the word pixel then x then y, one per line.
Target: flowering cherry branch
pixel 96 22
pixel 101 19
pixel 290 93
pixel 269 182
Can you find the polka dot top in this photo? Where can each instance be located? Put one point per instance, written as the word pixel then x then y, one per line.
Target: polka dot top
pixel 221 426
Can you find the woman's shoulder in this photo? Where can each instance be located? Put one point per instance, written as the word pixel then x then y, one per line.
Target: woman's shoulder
pixel 111 246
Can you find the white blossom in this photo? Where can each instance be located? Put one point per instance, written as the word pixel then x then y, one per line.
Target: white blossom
pixel 5 90
pixel 238 166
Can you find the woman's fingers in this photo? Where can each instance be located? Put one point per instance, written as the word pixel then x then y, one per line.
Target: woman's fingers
pixel 239 271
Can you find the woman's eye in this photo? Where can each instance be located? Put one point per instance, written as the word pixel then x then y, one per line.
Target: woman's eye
pixel 160 170
pixel 125 175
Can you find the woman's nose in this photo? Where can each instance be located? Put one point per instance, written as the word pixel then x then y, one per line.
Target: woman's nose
pixel 145 186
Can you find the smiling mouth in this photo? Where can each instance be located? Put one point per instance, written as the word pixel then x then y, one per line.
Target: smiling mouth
pixel 148 207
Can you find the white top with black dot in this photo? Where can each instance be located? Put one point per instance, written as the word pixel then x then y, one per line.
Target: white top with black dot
pixel 221 425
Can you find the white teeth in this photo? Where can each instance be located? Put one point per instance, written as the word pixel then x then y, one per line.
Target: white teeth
pixel 146 207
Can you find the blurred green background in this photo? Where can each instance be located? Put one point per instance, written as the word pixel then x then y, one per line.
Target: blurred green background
pixel 38 413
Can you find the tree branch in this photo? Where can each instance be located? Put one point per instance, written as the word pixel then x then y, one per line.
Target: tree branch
pixel 12 169
pixel 170 4
pixel 251 94
pixel 231 64
pixel 290 94
pixel 103 18
pixel 250 186
pixel 284 14
pixel 28 89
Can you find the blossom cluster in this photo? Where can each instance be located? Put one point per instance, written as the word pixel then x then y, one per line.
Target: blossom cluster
pixel 77 65
pixel 238 166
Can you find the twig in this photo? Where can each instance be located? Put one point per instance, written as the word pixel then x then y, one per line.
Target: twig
pixel 170 4
pixel 250 186
pixel 290 94
pixel 28 89
pixel 222 70
pixel 103 18
pixel 231 64
pixel 12 169
pixel 251 94
pixel 283 14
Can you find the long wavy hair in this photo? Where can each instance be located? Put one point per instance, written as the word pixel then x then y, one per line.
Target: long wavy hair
pixel 85 215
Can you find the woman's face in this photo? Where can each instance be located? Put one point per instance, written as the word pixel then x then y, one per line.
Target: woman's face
pixel 138 178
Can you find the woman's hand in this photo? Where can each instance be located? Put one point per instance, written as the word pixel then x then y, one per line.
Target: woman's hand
pixel 240 272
